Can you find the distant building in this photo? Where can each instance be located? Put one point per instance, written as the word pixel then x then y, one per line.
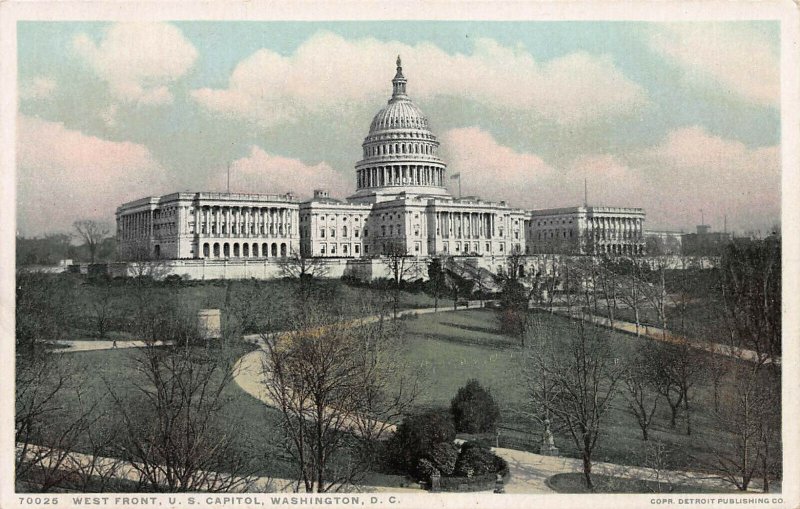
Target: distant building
pixel 586 230
pixel 705 242
pixel 663 242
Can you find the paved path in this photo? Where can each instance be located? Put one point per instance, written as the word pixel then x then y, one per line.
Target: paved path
pixel 528 471
pixel 659 335
pixel 108 468
pixel 88 346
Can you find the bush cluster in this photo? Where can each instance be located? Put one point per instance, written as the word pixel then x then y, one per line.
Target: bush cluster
pixel 474 410
pixel 416 437
pixel 475 460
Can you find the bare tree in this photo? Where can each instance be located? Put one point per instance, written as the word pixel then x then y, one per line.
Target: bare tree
pixel 632 291
pixel 338 386
pixel 675 369
pixel 642 403
pixel 656 292
pixel 402 266
pixel 750 415
pixel 93 233
pixel 437 279
pixel 172 434
pixel 297 266
pixel 751 292
pixel 582 380
pixel 46 430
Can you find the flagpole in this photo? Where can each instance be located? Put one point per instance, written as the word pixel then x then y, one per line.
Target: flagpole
pixel 229 178
pixel 459 186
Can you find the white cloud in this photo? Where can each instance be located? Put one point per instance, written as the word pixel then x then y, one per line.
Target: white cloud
pixel 688 171
pixel 730 58
pixel 40 87
pixel 328 74
pixel 139 60
pixel 261 172
pixel 64 175
pixel 493 171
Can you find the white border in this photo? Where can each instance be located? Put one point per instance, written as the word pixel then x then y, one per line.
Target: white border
pixel 785 11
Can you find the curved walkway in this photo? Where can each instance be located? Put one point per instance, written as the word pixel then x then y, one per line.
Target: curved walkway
pixel 528 471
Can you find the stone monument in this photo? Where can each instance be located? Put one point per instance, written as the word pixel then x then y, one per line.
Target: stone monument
pixel 548 447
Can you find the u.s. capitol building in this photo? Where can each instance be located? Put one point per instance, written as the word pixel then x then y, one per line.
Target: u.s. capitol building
pixel 401 205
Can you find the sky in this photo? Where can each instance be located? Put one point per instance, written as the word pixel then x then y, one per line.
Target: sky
pixel 676 118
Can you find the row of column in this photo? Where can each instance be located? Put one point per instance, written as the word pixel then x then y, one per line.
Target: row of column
pixel 615 228
pixel 397 175
pixel 136 225
pixel 400 148
pixel 249 221
pixel 473 225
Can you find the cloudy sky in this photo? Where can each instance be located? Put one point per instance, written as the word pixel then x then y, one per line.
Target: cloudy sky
pixel 675 118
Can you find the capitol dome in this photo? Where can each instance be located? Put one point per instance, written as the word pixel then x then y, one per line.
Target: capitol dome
pixel 400 153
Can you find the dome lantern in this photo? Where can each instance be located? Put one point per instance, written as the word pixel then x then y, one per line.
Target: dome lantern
pixel 399 82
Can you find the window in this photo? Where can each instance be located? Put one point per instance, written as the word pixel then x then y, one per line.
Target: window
pixel 333 233
pixel 344 249
pixel 356 248
pixel 344 231
pixel 355 232
pixel 322 249
pixel 322 233
pixel 366 249
pixel 383 230
pixel 366 232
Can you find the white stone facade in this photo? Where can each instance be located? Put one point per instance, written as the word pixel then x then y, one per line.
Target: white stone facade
pixel 401 205
pixel 209 225
pixel 587 230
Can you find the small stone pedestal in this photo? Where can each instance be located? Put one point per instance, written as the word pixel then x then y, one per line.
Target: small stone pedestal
pixel 209 324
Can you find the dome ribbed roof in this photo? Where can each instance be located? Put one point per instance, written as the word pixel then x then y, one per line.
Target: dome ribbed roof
pixel 399 114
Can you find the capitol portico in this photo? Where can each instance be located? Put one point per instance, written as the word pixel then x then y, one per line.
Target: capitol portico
pixel 401 204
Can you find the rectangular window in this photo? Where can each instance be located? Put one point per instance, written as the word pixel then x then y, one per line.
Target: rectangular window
pixel 357 248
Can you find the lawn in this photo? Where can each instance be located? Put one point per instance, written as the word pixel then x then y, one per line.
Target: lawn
pixel 254 427
pixel 73 303
pixel 451 348
pixel 447 349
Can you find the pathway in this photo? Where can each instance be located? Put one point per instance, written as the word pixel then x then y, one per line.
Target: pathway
pixel 114 468
pixel 88 346
pixel 658 334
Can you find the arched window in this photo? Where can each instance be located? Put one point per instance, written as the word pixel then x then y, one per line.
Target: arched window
pixel 264 250
pixel 226 250
pixel 216 250
pixel 246 250
pixel 255 250
pixel 274 249
pixel 236 249
pixel 206 250
pixel 283 250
